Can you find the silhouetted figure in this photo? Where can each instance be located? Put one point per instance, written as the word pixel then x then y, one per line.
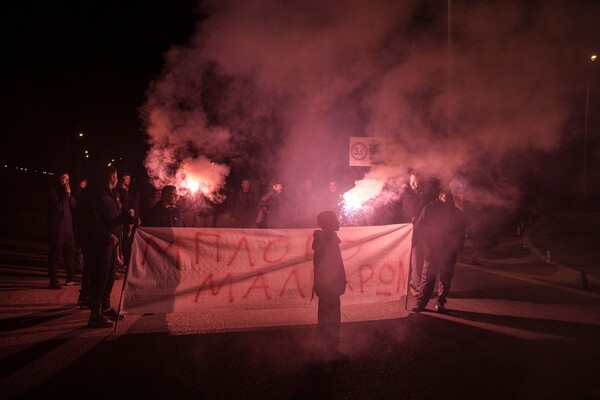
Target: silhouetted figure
pixel 412 200
pixel 165 213
pixel 106 218
pixel 329 285
pixel 272 212
pixel 79 257
pixel 127 230
pixel 440 228
pixel 244 207
pixel 60 231
pixel 83 227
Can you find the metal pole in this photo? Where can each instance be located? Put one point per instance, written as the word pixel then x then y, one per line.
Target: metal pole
pixel 449 110
pixel 585 135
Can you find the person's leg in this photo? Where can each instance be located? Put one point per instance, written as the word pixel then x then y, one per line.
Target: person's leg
pixel 107 310
pixel 417 266
pixel 428 277
pixel 68 252
pixel 328 327
pixel 53 254
pixel 100 265
pixel 110 279
pixel 446 274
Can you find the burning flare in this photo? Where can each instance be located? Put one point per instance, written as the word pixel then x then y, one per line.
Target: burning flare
pixel 363 191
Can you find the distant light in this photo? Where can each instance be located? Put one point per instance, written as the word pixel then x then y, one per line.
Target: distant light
pixel 120 158
pixel 593 57
pixel 109 164
pixel 5 166
pixel 113 160
pixel 86 152
pixel 87 156
pixel 80 134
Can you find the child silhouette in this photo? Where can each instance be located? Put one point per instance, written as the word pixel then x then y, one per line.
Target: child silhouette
pixel 329 285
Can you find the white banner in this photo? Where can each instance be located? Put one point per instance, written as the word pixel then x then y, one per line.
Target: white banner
pixel 199 269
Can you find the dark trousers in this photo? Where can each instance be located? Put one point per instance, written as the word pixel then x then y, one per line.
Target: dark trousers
pixel 328 327
pixel 127 242
pixel 431 268
pixel 61 244
pixel 416 265
pixel 103 268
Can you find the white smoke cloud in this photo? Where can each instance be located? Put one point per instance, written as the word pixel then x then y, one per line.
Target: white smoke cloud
pixel 278 87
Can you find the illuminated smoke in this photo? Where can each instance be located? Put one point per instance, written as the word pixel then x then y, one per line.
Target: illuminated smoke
pixel 277 87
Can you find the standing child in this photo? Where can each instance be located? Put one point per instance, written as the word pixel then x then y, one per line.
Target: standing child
pixel 329 285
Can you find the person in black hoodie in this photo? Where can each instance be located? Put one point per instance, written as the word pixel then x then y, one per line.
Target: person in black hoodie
pixel 60 231
pixel 440 229
pixel 105 218
pixel 329 285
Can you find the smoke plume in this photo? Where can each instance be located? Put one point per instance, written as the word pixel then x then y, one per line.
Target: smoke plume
pixel 277 87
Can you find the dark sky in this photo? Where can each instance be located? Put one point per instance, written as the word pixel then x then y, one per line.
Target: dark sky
pixel 291 78
pixel 82 66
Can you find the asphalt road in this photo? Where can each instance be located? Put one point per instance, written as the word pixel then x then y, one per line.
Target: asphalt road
pixel 519 327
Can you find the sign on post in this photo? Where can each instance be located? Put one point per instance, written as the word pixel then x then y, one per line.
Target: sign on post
pixel 363 151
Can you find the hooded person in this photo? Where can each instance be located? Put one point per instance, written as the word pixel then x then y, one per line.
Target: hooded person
pixel 329 285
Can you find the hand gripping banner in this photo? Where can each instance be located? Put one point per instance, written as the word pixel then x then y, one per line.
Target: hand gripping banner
pixel 176 270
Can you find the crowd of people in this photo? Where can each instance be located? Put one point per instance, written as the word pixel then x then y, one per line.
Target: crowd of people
pixel 93 226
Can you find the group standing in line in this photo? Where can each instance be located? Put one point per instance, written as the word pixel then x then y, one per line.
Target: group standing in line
pixel 101 219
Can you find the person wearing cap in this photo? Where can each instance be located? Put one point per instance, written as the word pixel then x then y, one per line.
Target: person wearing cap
pixel 440 229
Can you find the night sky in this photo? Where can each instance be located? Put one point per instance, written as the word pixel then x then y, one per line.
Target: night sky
pixel 277 87
pixel 71 67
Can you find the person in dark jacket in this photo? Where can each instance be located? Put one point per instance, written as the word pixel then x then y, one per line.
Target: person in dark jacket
pixel 60 231
pixel 272 212
pixel 329 285
pixel 244 207
pixel 440 228
pixel 105 219
pixel 128 230
pixel 165 213
pixel 412 197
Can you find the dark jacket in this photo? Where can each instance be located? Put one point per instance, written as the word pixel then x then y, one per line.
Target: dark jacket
pixel 244 209
pixel 412 204
pixel 440 228
pixel 60 211
pixel 330 276
pixel 161 216
pixel 105 216
pixel 272 211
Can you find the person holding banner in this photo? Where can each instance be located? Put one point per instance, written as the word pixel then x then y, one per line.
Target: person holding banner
pixel 440 229
pixel 412 197
pixel 105 217
pixel 329 285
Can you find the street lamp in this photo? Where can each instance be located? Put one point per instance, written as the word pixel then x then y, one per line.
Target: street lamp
pixel 585 132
